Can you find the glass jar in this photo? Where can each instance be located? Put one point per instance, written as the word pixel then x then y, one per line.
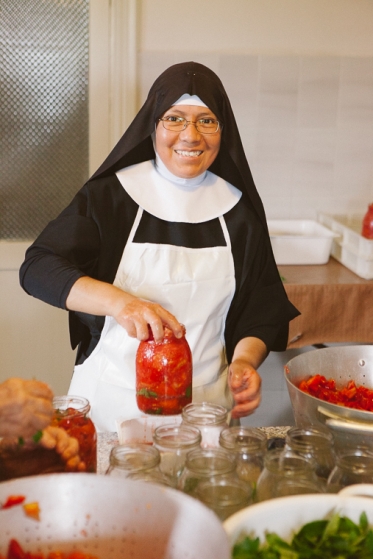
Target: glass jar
pixel 163 374
pixel 351 468
pixel 71 413
pixel 250 446
pixel 130 458
pixel 153 476
pixel 367 225
pixel 174 442
pixel 205 464
pixel 210 419
pixel 316 443
pixel 224 496
pixel 286 473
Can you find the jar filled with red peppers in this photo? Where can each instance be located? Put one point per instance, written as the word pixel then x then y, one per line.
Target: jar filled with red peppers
pixel 72 414
pixel 164 374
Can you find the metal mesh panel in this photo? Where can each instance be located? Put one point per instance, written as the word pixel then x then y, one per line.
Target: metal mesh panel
pixel 44 110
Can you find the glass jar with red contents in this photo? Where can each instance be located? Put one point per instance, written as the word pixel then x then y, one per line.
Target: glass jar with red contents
pixel 164 374
pixel 367 226
pixel 72 415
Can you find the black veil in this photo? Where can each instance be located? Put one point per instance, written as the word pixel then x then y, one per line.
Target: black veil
pixel 136 144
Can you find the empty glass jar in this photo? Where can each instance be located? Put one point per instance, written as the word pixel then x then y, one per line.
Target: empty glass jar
pixel 224 496
pixel 153 476
pixel 173 443
pixel 133 458
pixel 315 443
pixel 286 473
pixel 354 467
pixel 250 446
pixel 210 419
pixel 205 464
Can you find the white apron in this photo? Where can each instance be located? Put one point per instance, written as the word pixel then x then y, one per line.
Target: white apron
pixel 196 286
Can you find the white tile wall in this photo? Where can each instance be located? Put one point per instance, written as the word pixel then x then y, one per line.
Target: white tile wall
pixel 306 124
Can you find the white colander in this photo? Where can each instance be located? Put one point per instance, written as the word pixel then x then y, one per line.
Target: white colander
pixel 112 518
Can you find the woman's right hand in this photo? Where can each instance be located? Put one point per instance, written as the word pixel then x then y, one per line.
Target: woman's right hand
pixel 135 315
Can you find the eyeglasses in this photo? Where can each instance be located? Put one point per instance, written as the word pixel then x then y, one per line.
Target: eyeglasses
pixel 178 123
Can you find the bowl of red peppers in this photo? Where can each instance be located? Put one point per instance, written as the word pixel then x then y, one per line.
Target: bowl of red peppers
pixel 333 386
pixel 90 516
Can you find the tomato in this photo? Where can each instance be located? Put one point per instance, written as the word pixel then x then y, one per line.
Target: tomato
pixel 163 375
pixel 13 500
pixel 32 510
pixel 351 395
pixel 15 551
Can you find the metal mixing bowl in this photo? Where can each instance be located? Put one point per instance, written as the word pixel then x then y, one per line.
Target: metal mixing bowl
pixel 350 427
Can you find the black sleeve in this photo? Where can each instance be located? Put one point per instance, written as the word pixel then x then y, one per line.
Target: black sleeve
pixel 260 306
pixel 66 250
pixel 86 239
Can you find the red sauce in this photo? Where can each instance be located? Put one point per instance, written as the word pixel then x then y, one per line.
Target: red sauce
pixel 350 396
pixel 16 551
pixel 77 424
pixel 163 375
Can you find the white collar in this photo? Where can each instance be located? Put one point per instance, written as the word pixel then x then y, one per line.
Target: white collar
pixel 192 201
pixel 165 173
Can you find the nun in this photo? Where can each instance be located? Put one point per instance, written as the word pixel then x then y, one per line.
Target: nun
pixel 170 232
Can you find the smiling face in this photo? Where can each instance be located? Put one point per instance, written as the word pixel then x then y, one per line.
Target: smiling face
pixel 188 153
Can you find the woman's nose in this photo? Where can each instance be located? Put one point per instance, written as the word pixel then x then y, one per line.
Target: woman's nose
pixel 190 133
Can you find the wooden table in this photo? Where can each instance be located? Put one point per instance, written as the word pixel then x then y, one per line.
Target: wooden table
pixel 336 304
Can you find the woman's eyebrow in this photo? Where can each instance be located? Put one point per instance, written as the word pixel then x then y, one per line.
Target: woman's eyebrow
pixel 180 112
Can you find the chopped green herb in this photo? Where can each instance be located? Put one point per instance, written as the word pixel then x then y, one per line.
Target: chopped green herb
pixel 337 538
pixel 38 435
pixel 188 391
pixel 147 393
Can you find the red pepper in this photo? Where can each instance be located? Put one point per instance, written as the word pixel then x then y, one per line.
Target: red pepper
pixel 13 500
pixel 351 396
pixel 163 375
pixel 15 551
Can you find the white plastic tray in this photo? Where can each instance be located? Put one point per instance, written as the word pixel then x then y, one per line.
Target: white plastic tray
pixel 349 247
pixel 300 241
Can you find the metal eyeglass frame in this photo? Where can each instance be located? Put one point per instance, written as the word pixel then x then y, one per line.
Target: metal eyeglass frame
pixel 186 122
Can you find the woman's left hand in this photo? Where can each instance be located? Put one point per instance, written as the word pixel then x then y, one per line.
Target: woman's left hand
pixel 243 379
pixel 245 385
